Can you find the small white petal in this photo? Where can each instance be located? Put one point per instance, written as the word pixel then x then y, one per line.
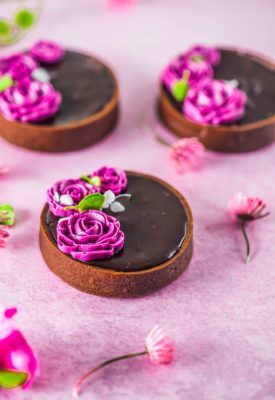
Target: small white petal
pixel 117 207
pixel 41 75
pixel 109 197
pixel 66 200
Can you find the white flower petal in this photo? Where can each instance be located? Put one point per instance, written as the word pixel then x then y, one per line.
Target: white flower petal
pixel 109 197
pixel 66 200
pixel 117 207
pixel 56 197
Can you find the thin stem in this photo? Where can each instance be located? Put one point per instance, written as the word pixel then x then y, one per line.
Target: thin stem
pixel 243 224
pixel 162 141
pixel 78 384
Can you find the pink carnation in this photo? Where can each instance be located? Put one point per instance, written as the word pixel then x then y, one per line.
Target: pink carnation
pixel 187 154
pixel 15 352
pixel 159 347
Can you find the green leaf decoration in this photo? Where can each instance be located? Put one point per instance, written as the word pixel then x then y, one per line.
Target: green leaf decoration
pixel 5 82
pixel 95 180
pixel 91 202
pixel 180 89
pixel 9 214
pixel 12 379
pixel 25 18
pixel 4 27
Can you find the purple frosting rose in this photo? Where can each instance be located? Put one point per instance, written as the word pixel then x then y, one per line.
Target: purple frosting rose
pixel 88 236
pixel 30 101
pixel 214 102
pixel 112 179
pixel 18 66
pixel 209 54
pixel 199 71
pixel 68 192
pixel 47 52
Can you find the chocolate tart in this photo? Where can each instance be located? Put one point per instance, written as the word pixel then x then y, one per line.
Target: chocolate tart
pixel 88 112
pixel 158 227
pixel 256 77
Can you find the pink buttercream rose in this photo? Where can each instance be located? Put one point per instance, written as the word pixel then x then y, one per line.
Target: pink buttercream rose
pixel 68 192
pixel 30 101
pixel 18 66
pixel 88 236
pixel 112 179
pixel 214 102
pixel 15 352
pixel 47 52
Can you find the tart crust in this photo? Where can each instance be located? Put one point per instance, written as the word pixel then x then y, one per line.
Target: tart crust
pixel 109 283
pixel 67 137
pixel 233 138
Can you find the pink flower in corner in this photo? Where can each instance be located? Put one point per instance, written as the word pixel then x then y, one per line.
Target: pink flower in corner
pixel 15 352
pixel 187 154
pixel 3 168
pixel 159 347
pixel 246 209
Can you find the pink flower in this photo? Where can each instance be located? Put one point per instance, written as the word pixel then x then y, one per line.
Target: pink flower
pixel 214 102
pixel 159 347
pixel 15 352
pixel 120 3
pixel 3 168
pixel 112 179
pixel 18 66
pixel 246 209
pixel 187 154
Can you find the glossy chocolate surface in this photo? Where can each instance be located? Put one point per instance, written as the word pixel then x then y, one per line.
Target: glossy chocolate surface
pixel 154 224
pixel 254 78
pixel 86 86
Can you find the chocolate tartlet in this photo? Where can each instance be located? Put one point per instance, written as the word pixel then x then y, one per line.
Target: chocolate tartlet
pixel 256 77
pixel 158 227
pixel 88 112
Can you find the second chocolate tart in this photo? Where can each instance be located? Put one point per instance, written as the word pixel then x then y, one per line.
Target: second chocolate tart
pixel 256 77
pixel 89 109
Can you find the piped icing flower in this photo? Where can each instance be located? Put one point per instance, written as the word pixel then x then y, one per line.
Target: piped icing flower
pixel 207 53
pixel 89 236
pixel 183 73
pixel 16 355
pixel 30 101
pixel 214 102
pixel 18 66
pixel 187 154
pixel 112 179
pixel 47 52
pixel 68 192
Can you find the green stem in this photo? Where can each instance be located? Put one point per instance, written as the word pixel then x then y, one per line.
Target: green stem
pixel 162 141
pixel 77 386
pixel 243 224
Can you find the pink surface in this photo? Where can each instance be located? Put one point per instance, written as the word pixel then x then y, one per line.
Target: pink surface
pixel 221 311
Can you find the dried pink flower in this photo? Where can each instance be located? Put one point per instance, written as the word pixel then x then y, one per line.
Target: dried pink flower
pixel 3 168
pixel 246 209
pixel 159 347
pixel 15 353
pixel 4 234
pixel 187 154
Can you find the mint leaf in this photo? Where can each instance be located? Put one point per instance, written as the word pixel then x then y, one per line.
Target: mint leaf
pixel 179 90
pixel 12 379
pixel 5 82
pixel 8 214
pixel 95 180
pixel 93 201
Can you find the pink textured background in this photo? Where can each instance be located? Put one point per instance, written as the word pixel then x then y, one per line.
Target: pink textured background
pixel 220 312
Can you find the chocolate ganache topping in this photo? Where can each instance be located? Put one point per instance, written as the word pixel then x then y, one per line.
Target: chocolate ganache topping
pixel 153 226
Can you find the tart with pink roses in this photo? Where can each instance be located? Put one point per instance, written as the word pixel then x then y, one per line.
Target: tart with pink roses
pixel 224 97
pixel 52 99
pixel 115 233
